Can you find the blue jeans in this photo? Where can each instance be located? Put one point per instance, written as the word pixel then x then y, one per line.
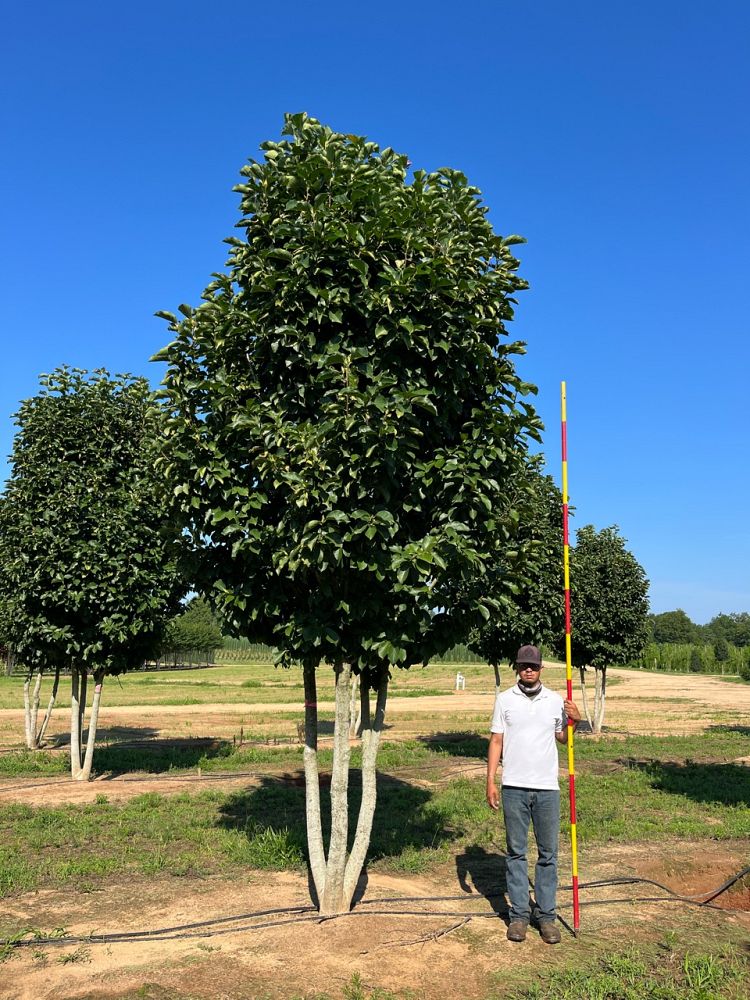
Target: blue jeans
pixel 540 808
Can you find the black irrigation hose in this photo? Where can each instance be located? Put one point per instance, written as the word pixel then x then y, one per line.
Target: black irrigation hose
pixel 210 928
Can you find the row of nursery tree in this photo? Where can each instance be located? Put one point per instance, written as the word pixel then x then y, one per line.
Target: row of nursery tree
pixel 707 658
pixel 341 459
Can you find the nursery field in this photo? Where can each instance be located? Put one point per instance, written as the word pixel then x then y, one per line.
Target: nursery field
pixel 178 873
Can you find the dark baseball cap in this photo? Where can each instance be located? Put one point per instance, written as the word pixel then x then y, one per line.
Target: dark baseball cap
pixel 529 654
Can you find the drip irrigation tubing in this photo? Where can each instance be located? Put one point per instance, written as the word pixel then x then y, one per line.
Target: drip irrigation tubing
pixel 213 928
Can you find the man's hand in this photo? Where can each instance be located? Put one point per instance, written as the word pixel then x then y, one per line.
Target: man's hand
pixel 571 710
pixel 493 797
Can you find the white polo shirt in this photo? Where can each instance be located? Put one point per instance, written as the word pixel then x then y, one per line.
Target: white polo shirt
pixel 528 726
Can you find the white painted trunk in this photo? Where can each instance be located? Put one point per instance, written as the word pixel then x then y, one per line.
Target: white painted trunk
pixel 27 712
pixel 75 723
pixel 50 706
pixel 370 743
pixel 35 709
pixel 85 772
pixel 82 710
pixel 315 849
pixel 333 900
pixel 355 708
pixel 600 695
pixel 585 698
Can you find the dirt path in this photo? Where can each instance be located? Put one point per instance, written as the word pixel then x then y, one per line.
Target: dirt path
pixel 212 943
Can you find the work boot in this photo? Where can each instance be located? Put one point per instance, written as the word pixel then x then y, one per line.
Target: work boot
pixel 549 932
pixel 517 930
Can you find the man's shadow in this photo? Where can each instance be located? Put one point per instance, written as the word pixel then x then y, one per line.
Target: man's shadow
pixel 484 873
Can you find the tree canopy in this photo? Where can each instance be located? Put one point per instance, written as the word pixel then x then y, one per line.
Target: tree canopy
pixel 537 614
pixel 674 626
pixel 346 424
pixel 609 599
pixel 733 628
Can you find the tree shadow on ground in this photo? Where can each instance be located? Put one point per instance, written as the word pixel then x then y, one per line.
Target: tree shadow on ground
pixel 272 815
pixel 114 734
pixel 156 756
pixel 727 784
pixel 486 873
pixel 466 744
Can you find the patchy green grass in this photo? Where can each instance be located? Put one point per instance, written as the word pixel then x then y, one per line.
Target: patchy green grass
pixel 643 974
pixel 648 797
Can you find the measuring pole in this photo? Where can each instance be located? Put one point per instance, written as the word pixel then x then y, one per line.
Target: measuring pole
pixel 568 661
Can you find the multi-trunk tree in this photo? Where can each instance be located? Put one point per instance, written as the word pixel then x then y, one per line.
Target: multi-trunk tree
pixel 346 431
pixel 609 610
pixel 87 545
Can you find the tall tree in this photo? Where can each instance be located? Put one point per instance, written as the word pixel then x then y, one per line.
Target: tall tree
pixel 609 609
pixel 674 626
pixel 537 612
pixel 346 430
pixel 87 550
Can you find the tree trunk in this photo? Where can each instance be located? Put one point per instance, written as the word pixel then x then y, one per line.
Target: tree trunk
pixel 50 706
pixel 82 709
pixel 370 743
pixel 85 772
pixel 601 695
pixel 75 723
pixel 585 698
pixel 497 677
pixel 27 711
pixel 333 900
pixel 35 710
pixel 315 848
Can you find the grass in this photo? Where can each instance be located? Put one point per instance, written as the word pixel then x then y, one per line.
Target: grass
pixel 649 795
pixel 641 974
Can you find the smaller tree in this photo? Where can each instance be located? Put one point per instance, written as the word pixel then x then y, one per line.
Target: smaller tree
pixel 721 652
pixel 196 630
pixel 696 661
pixel 609 609
pixel 86 541
pixel 537 612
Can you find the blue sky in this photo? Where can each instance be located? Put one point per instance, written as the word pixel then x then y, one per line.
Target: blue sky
pixel 614 137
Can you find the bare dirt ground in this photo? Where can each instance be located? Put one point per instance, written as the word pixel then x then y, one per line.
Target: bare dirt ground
pixel 636 703
pixel 212 938
pixel 220 939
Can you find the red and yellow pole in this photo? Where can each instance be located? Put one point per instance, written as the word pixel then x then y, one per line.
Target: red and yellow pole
pixel 569 660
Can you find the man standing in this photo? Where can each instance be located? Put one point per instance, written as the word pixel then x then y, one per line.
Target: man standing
pixel 527 721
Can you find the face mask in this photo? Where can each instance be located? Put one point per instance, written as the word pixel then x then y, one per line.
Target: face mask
pixel 530 689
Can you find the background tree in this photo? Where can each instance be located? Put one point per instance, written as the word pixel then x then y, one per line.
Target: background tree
pixel 674 626
pixel 346 430
pixel 696 661
pixel 721 650
pixel 734 628
pixel 196 630
pixel 537 612
pixel 87 550
pixel 609 609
